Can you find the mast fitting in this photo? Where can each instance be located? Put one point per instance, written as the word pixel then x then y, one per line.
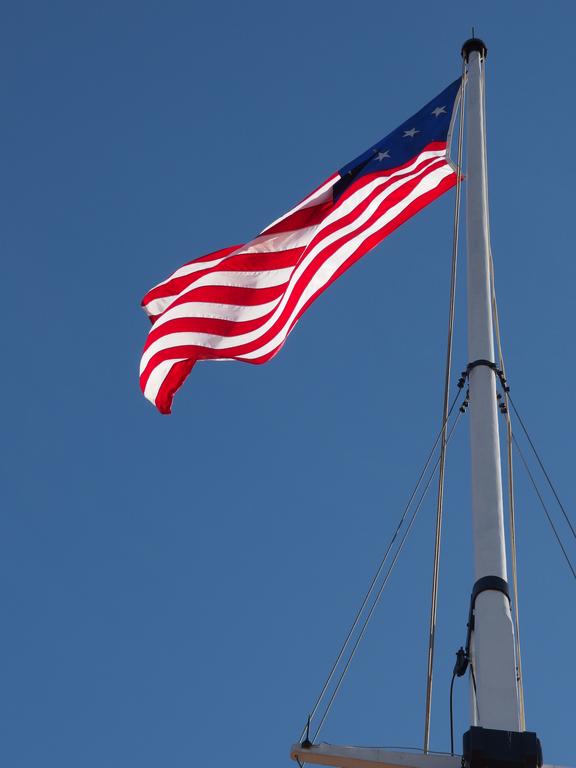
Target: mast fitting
pixel 474 44
pixel 462 661
pixel 488 582
pixel 306 743
pixel 489 364
pixel 491 748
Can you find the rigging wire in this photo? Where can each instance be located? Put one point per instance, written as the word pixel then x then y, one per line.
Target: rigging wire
pixel 542 467
pixel 508 401
pixel 510 464
pixel 382 586
pixel 511 507
pixel 379 569
pixel 511 499
pixel 441 473
pixel 473 675
pixel 544 507
pixel 452 712
pixel 511 439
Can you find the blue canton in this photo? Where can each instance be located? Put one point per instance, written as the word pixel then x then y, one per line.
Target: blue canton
pixel 431 123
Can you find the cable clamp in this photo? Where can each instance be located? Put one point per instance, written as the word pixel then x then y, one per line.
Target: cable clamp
pixel 462 660
pixel 486 583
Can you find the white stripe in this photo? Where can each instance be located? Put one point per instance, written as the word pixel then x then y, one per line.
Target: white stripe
pixel 222 342
pixel 216 311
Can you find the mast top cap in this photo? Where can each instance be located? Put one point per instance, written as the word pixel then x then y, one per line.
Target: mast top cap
pixel 474 44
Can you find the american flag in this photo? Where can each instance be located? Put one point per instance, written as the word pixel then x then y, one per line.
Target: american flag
pixel 242 302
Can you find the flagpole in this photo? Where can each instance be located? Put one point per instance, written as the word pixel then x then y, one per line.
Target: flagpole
pixel 494 694
pixel 495 738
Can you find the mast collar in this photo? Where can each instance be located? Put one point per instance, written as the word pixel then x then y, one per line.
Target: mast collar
pixel 488 583
pixel 474 44
pixel 485 584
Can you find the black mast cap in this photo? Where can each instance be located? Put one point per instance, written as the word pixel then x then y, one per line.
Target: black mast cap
pixel 474 44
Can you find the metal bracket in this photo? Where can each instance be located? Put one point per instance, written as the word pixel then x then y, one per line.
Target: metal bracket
pixel 306 743
pixel 489 364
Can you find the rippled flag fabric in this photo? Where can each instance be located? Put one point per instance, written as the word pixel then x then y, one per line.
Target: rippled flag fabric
pixel 241 302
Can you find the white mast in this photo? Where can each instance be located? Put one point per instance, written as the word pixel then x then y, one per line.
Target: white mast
pixel 495 739
pixel 495 702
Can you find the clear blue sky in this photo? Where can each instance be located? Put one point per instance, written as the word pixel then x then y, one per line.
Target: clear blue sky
pixel 174 589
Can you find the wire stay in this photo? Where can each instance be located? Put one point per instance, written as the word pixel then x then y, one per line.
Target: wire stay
pixel 543 468
pixel 382 586
pixel 511 496
pixel 379 569
pixel 447 374
pixel 544 507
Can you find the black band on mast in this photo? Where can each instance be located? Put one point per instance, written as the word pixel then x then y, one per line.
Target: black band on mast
pixel 494 583
pixel 485 584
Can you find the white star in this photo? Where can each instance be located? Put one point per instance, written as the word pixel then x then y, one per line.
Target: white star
pixel 438 111
pixel 382 155
pixel 412 132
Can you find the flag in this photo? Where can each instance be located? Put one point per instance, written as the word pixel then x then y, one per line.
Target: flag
pixel 241 302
